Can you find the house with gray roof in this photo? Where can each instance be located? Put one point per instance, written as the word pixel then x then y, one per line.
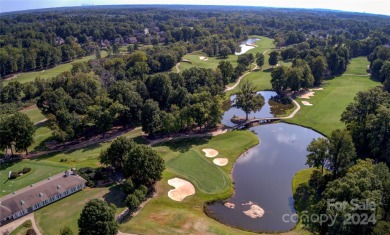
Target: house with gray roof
pixel 38 195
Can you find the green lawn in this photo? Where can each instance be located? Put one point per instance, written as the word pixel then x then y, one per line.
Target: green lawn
pixel 164 216
pixel 39 171
pixel 30 76
pixel 22 229
pixel 66 212
pixel 328 104
pixel 302 176
pixel 33 113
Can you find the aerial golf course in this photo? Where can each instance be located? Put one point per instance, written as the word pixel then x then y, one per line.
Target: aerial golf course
pixel 183 158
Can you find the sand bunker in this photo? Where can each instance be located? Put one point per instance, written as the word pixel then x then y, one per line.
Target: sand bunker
pixel 318 89
pixel 203 58
pixel 254 212
pixel 221 161
pixel 210 152
pixel 229 205
pixel 183 189
pixel 307 95
pixel 307 103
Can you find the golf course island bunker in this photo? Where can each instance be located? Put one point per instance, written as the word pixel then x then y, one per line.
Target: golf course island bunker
pixel 183 189
pixel 210 152
pixel 255 211
pixel 221 161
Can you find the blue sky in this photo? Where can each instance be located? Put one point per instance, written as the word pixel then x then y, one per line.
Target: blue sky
pixel 369 6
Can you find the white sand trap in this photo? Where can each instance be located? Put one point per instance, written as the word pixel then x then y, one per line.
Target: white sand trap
pixel 221 161
pixel 229 205
pixel 210 152
pixel 318 89
pixel 307 103
pixel 307 95
pixel 202 57
pixel 183 189
pixel 254 212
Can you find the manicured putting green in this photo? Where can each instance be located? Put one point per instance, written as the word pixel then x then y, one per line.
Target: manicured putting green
pixel 206 176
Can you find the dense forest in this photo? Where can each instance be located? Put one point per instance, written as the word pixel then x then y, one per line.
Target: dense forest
pixel 139 88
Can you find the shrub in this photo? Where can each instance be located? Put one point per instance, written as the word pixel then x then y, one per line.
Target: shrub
pixel 144 189
pixel 128 186
pixel 132 202
pixel 26 170
pixel 14 175
pixel 31 232
pixel 140 195
pixel 27 224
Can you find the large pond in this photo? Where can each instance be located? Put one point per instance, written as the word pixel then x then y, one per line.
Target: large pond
pixel 263 175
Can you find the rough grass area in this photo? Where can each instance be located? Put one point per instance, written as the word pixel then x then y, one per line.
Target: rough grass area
pixel 165 216
pixel 66 212
pixel 329 104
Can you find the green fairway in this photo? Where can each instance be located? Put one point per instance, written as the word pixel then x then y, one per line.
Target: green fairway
pixel 39 171
pixel 30 76
pixel 212 63
pixel 33 113
pixel 204 174
pixel 329 104
pixel 358 66
pixel 166 216
pixel 67 211
pixel 42 134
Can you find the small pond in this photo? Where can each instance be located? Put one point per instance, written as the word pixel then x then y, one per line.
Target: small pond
pixel 245 45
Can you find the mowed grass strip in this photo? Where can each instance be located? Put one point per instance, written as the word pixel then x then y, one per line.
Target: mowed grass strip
pixel 328 104
pixel 302 176
pixel 66 212
pixel 206 176
pixel 162 215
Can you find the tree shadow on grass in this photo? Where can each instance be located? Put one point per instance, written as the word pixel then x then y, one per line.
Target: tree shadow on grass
pixel 184 145
pixel 115 196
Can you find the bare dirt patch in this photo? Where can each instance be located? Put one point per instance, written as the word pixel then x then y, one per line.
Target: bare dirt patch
pixel 183 189
pixel 221 161
pixel 210 152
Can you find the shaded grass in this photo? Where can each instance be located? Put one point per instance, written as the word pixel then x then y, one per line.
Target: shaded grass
pixel 165 216
pixel 22 229
pixel 66 212
pixel 329 104
pixel 34 114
